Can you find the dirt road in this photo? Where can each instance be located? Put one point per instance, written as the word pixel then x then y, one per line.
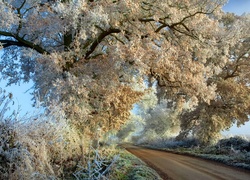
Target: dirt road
pixel 180 167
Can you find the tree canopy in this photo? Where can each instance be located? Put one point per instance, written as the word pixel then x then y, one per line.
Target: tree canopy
pixel 94 57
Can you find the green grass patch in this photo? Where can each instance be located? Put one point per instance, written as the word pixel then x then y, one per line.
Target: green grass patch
pixel 130 167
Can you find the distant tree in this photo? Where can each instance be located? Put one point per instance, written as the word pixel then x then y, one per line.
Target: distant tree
pixel 92 57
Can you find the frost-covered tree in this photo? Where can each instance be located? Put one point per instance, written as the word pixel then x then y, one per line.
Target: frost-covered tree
pixel 232 101
pixel 92 57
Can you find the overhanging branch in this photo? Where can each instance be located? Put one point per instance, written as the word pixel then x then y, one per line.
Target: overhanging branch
pixel 99 39
pixel 7 43
pixel 21 42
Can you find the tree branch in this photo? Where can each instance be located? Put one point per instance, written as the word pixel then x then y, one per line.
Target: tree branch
pixel 146 20
pixel 21 42
pixel 235 72
pixel 99 39
pixel 7 43
pixel 172 26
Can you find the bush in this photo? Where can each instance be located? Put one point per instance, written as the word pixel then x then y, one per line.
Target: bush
pixel 38 146
pixel 56 146
pixel 171 143
pixel 16 162
pixel 236 142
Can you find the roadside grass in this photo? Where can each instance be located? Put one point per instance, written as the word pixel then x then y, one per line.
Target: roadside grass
pixel 234 151
pixel 130 167
pixel 121 165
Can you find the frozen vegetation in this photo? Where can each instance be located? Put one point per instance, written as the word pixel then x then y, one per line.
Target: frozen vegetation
pixel 184 64
pixel 44 146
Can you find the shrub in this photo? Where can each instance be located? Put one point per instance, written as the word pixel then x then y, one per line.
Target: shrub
pixel 170 143
pixel 15 160
pixel 55 146
pixel 236 142
pixel 38 146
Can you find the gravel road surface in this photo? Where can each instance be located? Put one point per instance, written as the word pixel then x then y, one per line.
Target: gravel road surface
pixel 181 167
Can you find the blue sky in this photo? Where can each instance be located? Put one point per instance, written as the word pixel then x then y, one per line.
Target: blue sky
pixel 23 98
pixel 238 6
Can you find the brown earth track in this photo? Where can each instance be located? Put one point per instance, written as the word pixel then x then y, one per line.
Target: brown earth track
pixel 180 167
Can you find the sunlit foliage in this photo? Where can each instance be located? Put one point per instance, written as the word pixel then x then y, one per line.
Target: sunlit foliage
pixel 93 57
